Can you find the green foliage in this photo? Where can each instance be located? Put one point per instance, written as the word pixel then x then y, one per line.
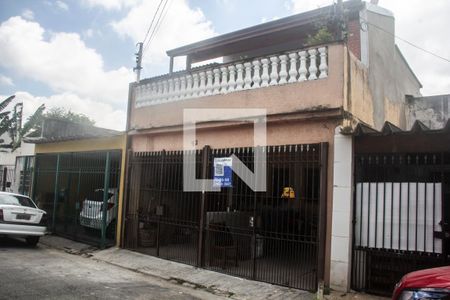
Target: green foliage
pixel 30 125
pixel 322 36
pixel 5 120
pixel 11 123
pixel 63 114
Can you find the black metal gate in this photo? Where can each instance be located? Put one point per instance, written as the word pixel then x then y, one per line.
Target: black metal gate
pixel 6 178
pixel 80 193
pixel 401 217
pixel 273 236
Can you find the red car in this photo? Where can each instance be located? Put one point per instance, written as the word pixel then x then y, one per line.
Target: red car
pixel 424 284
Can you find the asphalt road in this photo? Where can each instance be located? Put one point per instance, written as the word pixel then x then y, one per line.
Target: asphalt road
pixel 44 273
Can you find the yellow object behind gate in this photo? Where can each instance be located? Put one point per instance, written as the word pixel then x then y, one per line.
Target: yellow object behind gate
pixel 288 192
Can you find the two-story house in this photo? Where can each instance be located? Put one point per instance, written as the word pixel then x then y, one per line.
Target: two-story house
pixel 315 74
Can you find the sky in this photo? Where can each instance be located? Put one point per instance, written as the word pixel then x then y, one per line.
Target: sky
pixel 79 54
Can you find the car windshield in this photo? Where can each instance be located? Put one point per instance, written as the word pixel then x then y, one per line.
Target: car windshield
pixel 16 200
pixel 98 196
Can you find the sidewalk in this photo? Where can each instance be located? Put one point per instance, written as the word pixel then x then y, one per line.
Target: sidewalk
pixel 214 282
pixel 67 245
pixel 334 295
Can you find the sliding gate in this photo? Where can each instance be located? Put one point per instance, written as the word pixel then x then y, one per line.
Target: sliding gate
pixel 401 217
pixel 80 193
pixel 273 236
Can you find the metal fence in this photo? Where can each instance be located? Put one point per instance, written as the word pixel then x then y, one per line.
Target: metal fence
pixel 274 236
pixel 80 192
pixel 401 217
pixel 6 178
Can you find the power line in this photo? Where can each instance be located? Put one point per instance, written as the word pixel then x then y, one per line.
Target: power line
pixel 156 27
pixel 153 19
pixel 406 41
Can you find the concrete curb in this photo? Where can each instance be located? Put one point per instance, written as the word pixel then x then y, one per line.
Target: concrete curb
pixel 216 283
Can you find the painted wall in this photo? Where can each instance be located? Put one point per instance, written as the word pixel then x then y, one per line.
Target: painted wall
pixel 99 144
pixel 381 82
pixel 327 92
pixel 8 158
pixel 341 231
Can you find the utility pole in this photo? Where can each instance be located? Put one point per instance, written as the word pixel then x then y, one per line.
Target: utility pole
pixel 138 67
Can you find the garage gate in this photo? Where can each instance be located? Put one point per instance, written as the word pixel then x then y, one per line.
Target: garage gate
pixel 401 217
pixel 275 236
pixel 80 192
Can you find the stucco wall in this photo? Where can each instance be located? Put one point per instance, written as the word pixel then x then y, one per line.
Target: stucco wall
pixel 388 75
pixel 111 143
pixel 8 158
pixel 327 92
pixel 359 97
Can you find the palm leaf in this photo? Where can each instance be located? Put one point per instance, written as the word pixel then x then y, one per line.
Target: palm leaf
pixel 5 125
pixel 6 102
pixel 32 121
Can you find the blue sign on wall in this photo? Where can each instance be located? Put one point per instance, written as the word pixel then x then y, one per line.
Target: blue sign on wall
pixel 223 172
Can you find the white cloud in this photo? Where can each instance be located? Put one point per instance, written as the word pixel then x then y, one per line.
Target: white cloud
pixel 110 4
pixel 299 6
pixel 63 62
pixel 4 80
pixel 28 14
pixel 423 25
pixel 90 33
pixel 62 5
pixel 417 22
pixel 72 70
pixel 181 25
pixel 104 114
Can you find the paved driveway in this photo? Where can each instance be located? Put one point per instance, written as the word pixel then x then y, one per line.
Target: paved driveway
pixel 44 273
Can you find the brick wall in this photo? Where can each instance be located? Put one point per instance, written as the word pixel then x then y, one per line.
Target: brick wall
pixel 354 37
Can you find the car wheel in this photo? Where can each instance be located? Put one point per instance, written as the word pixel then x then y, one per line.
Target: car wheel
pixel 32 240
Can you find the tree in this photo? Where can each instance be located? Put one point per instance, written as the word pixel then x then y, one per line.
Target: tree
pixel 63 114
pixel 11 123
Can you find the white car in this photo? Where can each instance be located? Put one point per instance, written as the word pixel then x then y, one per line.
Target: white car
pixel 20 217
pixel 91 214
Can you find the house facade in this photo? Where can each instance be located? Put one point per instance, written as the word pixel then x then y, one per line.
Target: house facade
pixel 78 179
pixel 311 89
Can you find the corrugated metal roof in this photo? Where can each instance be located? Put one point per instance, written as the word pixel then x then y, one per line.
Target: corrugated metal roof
pixel 391 129
pixel 57 130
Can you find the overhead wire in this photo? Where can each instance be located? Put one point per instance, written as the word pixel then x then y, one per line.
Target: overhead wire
pixel 151 24
pixel 406 41
pixel 156 27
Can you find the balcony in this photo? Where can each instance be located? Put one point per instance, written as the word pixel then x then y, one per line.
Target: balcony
pixel 256 73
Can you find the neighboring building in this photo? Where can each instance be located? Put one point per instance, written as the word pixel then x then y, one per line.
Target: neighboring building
pixel 433 111
pixel 16 167
pixel 74 164
pixel 396 215
pixel 309 86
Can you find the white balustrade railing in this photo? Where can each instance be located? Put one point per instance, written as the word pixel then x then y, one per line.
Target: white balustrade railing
pixel 290 67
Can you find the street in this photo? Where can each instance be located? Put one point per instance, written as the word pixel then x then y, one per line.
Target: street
pixel 44 273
